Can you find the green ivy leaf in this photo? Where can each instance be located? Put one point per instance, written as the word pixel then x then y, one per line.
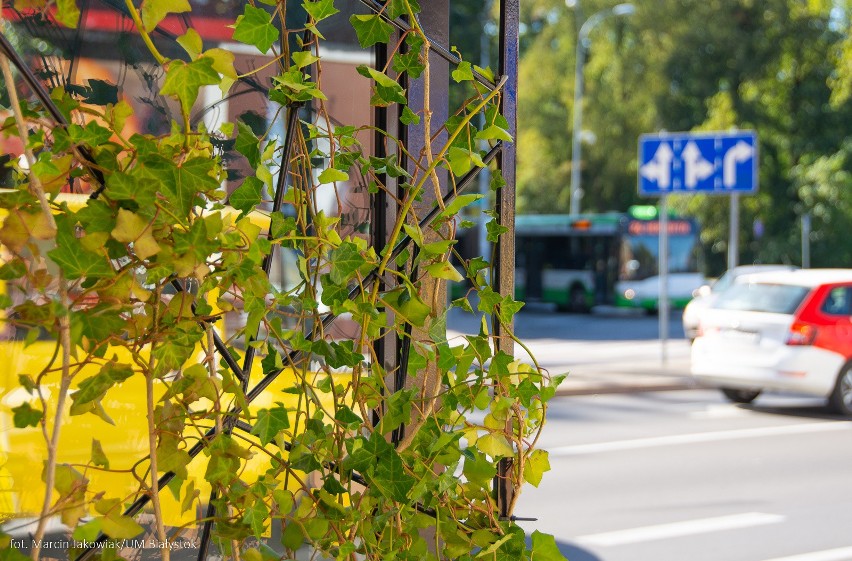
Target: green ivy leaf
pixel 461 160
pixel 255 27
pixel 459 203
pixel 444 270
pixel 330 175
pixel 544 548
pixel 75 261
pixel 120 527
pixel 26 416
pixel 191 42
pixel 371 29
pixel 155 11
pixel 183 80
pixel 304 58
pixel 390 478
pixel 494 132
pixel 248 195
pixel 269 423
pixel 495 445
pixel 463 72
pixel 536 465
pixel 256 515
pixel 495 230
pixel 345 260
pixel 320 9
pixel 247 144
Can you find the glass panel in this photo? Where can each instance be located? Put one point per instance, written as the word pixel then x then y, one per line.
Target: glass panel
pixel 754 297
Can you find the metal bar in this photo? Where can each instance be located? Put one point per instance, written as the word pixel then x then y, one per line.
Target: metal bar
pixel 278 198
pixel 204 543
pixel 503 277
pixel 434 46
pixel 44 97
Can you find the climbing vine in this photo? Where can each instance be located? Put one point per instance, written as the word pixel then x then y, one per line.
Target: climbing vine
pixel 210 406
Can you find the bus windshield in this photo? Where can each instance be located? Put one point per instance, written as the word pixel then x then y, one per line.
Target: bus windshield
pixel 640 251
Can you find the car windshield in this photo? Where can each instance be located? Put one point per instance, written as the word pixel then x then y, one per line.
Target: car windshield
pixel 759 297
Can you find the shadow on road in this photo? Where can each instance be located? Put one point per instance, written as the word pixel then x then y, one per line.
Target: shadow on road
pixel 574 553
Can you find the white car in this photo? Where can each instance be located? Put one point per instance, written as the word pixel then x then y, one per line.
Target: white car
pixel 704 296
pixel 645 293
pixel 788 331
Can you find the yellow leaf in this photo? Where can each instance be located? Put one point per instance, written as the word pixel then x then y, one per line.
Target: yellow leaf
pixel 19 227
pixel 132 228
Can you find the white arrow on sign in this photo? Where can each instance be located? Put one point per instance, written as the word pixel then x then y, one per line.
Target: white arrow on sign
pixel 659 169
pixel 696 168
pixel 739 153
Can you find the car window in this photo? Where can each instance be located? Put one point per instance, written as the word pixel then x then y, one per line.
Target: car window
pixel 723 282
pixel 837 301
pixel 761 297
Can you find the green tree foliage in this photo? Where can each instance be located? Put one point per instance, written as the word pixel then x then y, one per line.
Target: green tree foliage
pixel 681 66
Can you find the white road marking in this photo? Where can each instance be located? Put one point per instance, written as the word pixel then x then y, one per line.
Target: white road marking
pixel 693 438
pixel 679 529
pixel 839 554
pixel 725 411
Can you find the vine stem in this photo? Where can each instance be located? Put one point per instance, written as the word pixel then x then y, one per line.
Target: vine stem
pixel 37 189
pixel 152 437
pixel 415 191
pixel 146 37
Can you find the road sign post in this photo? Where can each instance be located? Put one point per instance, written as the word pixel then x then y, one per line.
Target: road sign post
pixel 716 163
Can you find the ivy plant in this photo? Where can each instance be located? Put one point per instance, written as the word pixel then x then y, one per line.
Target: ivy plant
pixel 274 425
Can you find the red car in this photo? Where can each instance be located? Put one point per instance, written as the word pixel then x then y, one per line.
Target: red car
pixel 788 331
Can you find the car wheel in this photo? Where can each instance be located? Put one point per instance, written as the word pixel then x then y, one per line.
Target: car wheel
pixel 841 397
pixel 577 300
pixel 740 396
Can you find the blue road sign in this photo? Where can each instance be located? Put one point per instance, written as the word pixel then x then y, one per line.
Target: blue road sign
pixel 712 163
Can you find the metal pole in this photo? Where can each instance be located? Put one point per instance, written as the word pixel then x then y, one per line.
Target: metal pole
pixel 576 159
pixel 734 233
pixel 806 240
pixel 663 304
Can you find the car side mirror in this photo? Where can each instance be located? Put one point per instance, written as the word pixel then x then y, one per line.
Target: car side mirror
pixel 703 290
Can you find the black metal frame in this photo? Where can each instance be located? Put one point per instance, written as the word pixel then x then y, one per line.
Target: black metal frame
pixel 392 350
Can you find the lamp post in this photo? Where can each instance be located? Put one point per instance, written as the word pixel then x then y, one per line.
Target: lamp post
pixel 581 51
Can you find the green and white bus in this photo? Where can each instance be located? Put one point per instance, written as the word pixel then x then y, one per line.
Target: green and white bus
pixel 612 258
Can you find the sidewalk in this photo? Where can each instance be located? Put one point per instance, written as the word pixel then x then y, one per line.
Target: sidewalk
pixel 599 367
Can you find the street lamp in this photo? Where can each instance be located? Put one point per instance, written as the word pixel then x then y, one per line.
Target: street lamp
pixel 581 51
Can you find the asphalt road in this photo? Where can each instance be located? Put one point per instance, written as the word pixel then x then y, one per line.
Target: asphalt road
pixel 684 476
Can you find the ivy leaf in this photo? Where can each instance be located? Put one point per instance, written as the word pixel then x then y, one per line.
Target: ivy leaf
pixel 410 306
pixel 183 80
pixel 345 260
pixel 254 27
pixel 26 416
pixel 494 132
pixel 304 58
pixel 75 261
pixel 495 230
pixel 495 445
pixel 536 465
pixel 120 527
pixel 371 29
pixel 544 548
pixel 247 144
pixel 256 515
pixel 248 195
pixel 459 203
pixel 155 11
pixel 444 270
pixel 330 175
pixel 461 160
pixel 99 458
pixel 269 423
pixel 409 117
pixel 320 9
pixel 132 228
pixel 463 72
pixel 67 13
pixel 191 43
pixel 390 478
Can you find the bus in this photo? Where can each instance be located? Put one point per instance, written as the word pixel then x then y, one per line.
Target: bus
pixel 612 258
